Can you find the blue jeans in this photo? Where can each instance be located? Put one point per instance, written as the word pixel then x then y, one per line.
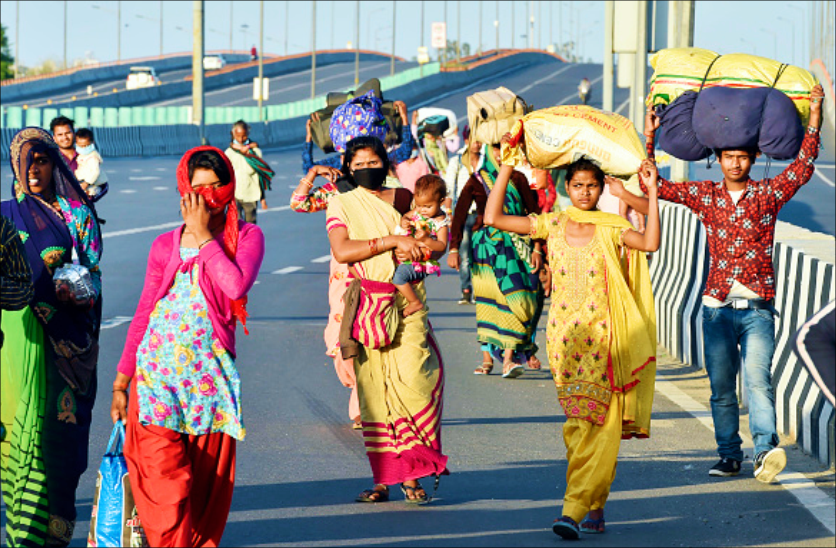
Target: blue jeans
pixel 465 254
pixel 730 335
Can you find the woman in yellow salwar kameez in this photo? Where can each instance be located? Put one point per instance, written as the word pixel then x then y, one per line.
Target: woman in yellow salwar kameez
pixel 601 331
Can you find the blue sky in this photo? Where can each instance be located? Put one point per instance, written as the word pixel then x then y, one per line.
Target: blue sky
pixel 724 26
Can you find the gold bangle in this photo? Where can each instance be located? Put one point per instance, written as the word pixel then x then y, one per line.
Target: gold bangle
pixel 453 251
pixel 304 180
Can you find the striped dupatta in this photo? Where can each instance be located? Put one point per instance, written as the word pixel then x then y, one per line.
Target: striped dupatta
pixel 401 385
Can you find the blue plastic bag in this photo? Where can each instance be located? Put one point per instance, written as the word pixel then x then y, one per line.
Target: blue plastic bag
pixel 114 521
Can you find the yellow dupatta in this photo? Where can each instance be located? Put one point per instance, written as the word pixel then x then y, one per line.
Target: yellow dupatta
pixel 633 320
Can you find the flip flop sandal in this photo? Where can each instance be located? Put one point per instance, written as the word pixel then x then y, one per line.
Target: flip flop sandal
pixel 566 528
pixel 514 372
pixel 406 489
pixel 484 369
pixel 370 495
pixel 590 526
pixel 357 425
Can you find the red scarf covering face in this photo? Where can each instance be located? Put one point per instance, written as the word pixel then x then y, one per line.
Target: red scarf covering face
pixel 216 198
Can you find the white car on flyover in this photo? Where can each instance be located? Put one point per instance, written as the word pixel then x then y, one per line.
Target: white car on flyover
pixel 142 77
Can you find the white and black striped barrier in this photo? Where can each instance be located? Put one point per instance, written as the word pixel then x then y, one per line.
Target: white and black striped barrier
pixel 804 284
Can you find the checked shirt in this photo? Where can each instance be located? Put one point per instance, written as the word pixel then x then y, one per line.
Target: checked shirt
pixel 741 236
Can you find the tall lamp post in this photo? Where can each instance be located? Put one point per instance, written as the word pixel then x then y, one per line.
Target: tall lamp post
pixel 804 58
pixel 496 24
pixel 774 41
pixel 118 13
pixel 261 61
pixel 65 34
pixel 357 45
pixel 160 21
pixel 394 17
pixel 313 49
pixel 17 39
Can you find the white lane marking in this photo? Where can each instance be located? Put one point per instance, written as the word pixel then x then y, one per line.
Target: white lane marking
pixel 821 506
pixel 162 169
pixel 323 259
pixel 304 84
pixel 287 270
pixel 549 77
pixel 160 188
pixel 622 105
pixel 145 178
pixel 136 170
pixel 128 191
pixel 115 321
pixel 823 178
pixel 256 282
pixel 173 224
pixel 141 229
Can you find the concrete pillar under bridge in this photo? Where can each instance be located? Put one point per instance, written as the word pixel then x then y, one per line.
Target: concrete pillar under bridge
pixel 643 27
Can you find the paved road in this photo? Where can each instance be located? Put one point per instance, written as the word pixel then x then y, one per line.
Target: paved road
pixel 103 88
pixel 295 86
pixel 301 464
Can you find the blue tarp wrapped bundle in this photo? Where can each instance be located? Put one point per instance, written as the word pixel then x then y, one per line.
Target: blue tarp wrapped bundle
pixel 695 124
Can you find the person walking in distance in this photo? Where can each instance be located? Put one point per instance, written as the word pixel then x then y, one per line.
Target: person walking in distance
pixel 739 216
pixel 252 174
pixel 459 170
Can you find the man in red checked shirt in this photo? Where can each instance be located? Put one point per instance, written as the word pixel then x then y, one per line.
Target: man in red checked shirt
pixel 739 216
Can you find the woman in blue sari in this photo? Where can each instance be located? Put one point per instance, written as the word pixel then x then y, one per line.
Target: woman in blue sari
pixel 51 349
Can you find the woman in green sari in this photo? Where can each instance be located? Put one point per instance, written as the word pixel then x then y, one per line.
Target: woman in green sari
pixel 504 267
pixel 51 348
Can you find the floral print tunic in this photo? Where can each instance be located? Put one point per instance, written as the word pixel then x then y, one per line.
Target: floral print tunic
pixel 186 381
pixel 578 331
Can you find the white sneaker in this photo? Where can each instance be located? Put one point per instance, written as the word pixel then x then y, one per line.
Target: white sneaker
pixel 769 464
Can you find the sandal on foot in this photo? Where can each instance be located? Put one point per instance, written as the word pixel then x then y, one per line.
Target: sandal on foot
pixel 566 528
pixel 484 369
pixel 514 372
pixel 407 490
pixel 357 425
pixel 591 526
pixel 373 495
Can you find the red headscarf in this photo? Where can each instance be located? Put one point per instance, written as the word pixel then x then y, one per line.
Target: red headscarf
pixel 215 198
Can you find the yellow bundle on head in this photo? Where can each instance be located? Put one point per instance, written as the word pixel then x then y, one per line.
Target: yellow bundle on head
pixel 557 136
pixel 677 70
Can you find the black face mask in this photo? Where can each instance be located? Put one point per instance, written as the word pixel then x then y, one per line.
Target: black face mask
pixel 371 178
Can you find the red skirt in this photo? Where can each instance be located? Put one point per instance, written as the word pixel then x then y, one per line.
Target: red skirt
pixel 182 484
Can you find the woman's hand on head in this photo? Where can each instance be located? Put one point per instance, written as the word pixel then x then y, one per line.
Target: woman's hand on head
pixel 119 406
pixel 329 173
pixel 196 215
pixel 651 121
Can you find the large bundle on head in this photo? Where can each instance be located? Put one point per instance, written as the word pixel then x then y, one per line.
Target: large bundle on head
pixel 321 125
pixel 491 114
pixel 557 136
pixel 709 101
pixel 358 118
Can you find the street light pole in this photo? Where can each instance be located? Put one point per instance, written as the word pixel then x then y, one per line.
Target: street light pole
pixel 774 41
pixel 458 31
pixel 792 30
pixel 479 48
pixel 65 34
pixel 394 16
pixel 197 67
pixel 421 41
pixel 119 32
pixel 261 60
pixel 513 25
pixel 804 58
pixel 286 17
pixel 313 49
pixel 231 32
pixel 357 47
pixel 17 39
pixel 446 30
pixel 496 24
pixel 161 28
